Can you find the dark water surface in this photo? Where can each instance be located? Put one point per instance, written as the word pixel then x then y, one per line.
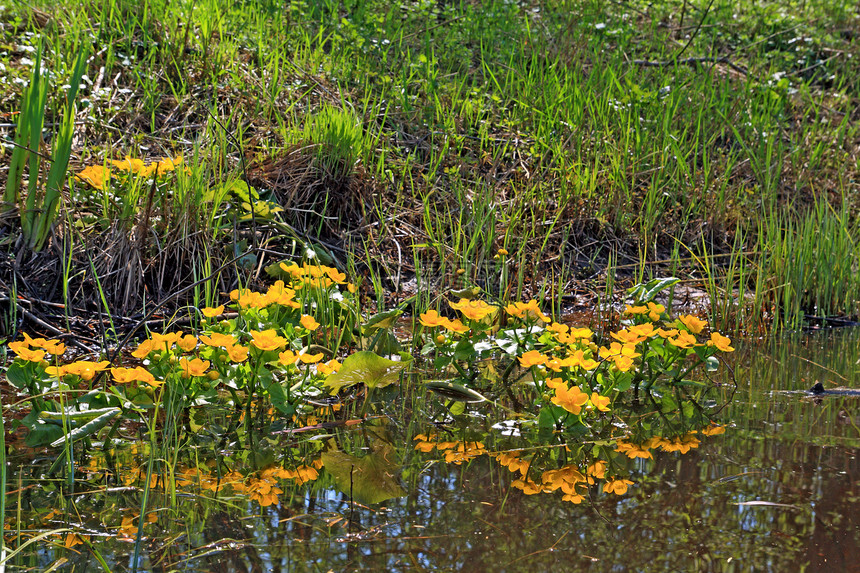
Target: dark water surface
pixel 778 491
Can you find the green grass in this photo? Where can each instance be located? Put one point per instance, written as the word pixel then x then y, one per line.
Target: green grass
pixel 596 142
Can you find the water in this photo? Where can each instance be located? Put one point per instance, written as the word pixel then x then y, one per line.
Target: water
pixel 777 491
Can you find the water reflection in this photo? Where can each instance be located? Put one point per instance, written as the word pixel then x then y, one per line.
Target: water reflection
pixel 776 491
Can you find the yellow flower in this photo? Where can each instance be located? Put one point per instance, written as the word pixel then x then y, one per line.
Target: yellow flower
pixel 473 309
pixel 532 358
pixel 558 328
pixel 187 343
pixel 455 326
pixel 166 164
pixel 249 299
pixel 581 334
pixel 681 444
pixel 621 355
pixel 335 275
pixel 19 345
pixel 596 470
pixel 463 451
pixel 431 319
pixel 136 374
pixel 655 311
pixel 633 451
pixel 527 486
pixel 85 368
pixel 684 340
pixel 288 357
pixel 55 371
pixel 526 309
pixel 268 340
pixel 305 474
pixel 626 337
pixel 721 342
pixel 502 252
pixel 617 486
pixel 73 539
pixel 132 165
pixel 165 341
pixel 280 294
pixel 29 355
pixel 143 349
pixel 308 322
pixel 578 359
pixel 714 430
pixel 210 312
pixel 600 402
pixel 237 353
pixel 54 347
pixel 194 367
pixel 692 323
pixel 667 333
pixel 327 368
pixel 311 358
pixel 96 175
pixel 216 339
pixel 571 399
pixel 425 446
pixel 635 309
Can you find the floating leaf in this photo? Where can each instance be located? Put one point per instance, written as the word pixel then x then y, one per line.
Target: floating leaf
pixel 454 391
pixel 366 368
pixel 369 479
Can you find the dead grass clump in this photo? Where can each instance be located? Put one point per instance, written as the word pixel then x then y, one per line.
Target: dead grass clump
pixel 317 196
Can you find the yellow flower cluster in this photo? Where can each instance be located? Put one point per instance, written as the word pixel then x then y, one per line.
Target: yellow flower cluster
pixel 85 369
pixel 455 452
pixel 136 374
pixel 98 175
pixel 278 293
pixel 653 310
pixel 573 398
pixel 262 487
pixel 34 349
pixel 681 444
pixel 316 275
pixel 431 319
pixel 567 478
pixel 525 310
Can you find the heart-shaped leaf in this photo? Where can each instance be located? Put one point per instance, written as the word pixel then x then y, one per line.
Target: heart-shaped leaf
pixel 366 368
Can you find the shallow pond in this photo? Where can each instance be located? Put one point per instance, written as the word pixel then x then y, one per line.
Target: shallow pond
pixel 778 490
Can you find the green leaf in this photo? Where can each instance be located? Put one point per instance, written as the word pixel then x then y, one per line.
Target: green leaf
pixel 464 350
pixel 622 382
pixel 40 433
pixel 279 398
pixel 17 374
pixel 369 479
pixel 467 293
pixel 645 292
pixel 366 368
pixel 88 428
pixel 453 391
pixel 381 320
pixel 546 418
